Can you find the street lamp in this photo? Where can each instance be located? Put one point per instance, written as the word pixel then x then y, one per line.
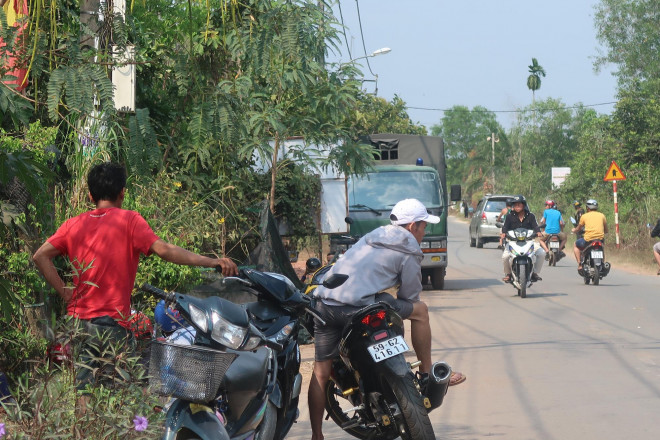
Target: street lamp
pixel 375 53
pixel 492 138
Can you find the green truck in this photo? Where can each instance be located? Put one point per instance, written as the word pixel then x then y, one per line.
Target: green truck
pixel 409 166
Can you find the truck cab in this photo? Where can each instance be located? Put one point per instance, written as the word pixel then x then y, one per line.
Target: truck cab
pixel 372 197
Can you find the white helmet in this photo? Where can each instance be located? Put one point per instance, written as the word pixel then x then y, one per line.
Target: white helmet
pixel 592 204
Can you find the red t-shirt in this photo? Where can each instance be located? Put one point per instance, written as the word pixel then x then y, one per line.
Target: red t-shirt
pixel 109 241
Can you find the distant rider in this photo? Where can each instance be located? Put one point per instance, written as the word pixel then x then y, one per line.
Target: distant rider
pixel 579 212
pixel 594 225
pixel 520 217
pixel 656 247
pixel 503 213
pixel 554 224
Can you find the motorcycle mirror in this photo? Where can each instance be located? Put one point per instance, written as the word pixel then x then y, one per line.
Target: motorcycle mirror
pixel 335 280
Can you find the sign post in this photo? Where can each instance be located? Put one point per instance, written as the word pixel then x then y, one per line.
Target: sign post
pixel 613 175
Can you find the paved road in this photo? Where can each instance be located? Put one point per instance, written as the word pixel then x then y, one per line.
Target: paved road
pixel 568 362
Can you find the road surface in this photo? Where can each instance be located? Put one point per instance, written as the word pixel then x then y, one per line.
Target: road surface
pixel 568 362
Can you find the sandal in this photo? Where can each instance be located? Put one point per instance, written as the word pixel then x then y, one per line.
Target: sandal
pixel 456 378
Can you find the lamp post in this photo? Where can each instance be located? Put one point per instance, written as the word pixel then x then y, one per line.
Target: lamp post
pixel 375 53
pixel 492 138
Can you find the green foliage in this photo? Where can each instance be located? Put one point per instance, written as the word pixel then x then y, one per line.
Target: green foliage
pixel 377 115
pixel 298 199
pixel 142 153
pixel 47 400
pixel 535 74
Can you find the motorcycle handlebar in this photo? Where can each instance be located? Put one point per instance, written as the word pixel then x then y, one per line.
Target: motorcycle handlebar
pixel 312 311
pixel 168 297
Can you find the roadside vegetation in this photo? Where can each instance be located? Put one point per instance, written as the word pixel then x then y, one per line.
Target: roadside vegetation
pixel 220 88
pixel 550 133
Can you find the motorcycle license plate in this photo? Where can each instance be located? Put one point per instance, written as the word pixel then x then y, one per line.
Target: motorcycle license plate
pixel 387 349
pixel 554 245
pixel 597 254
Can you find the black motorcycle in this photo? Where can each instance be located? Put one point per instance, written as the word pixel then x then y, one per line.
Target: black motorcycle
pixel 555 253
pixel 221 384
pixel 372 392
pixel 592 259
pixel 280 311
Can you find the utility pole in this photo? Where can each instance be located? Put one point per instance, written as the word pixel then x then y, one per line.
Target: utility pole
pixel 492 138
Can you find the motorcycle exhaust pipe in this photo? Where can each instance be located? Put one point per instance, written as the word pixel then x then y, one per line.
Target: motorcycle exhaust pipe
pixel 606 269
pixel 438 384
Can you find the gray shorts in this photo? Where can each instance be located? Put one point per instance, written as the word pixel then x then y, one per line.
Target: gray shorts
pixel 327 337
pixel 656 247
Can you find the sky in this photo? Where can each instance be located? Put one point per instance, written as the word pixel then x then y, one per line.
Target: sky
pixel 476 52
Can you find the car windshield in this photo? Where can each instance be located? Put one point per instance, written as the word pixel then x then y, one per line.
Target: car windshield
pixel 383 190
pixel 495 206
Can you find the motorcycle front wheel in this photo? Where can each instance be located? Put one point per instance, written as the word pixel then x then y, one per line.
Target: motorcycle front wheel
pixel 266 429
pixel 522 281
pixel 414 422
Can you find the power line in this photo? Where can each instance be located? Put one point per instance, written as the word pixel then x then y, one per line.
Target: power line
pixel 508 111
pixel 343 30
pixel 362 36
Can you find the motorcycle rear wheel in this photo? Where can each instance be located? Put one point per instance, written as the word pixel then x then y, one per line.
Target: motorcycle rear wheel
pixel 415 423
pixel 596 274
pixel 333 406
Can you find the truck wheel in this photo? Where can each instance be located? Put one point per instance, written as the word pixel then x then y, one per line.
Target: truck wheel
pixel 438 278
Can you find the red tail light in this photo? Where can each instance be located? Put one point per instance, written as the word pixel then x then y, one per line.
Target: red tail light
pixel 597 243
pixel 484 219
pixel 374 320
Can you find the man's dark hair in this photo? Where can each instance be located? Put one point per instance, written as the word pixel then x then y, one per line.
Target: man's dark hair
pixel 105 181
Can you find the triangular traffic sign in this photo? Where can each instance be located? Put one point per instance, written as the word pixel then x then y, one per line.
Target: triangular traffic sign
pixel 614 173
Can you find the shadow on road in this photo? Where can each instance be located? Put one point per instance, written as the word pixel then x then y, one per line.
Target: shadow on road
pixel 471 284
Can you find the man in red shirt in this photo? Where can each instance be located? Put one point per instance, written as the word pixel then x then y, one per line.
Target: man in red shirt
pixel 103 247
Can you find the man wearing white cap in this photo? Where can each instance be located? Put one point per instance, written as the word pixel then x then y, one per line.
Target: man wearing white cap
pixel 385 257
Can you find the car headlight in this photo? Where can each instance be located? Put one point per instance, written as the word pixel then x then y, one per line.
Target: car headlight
pixel 425 245
pixel 198 317
pixel 226 333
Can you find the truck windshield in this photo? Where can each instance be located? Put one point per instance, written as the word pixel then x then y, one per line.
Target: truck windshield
pixel 383 190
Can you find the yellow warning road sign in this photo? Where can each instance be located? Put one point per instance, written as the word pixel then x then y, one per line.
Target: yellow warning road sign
pixel 614 173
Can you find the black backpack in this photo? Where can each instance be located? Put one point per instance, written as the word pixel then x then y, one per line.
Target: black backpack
pixel 656 231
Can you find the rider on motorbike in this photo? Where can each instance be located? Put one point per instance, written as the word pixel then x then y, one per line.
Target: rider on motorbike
pixel 385 257
pixel 554 223
pixel 579 212
pixel 521 217
pixel 594 225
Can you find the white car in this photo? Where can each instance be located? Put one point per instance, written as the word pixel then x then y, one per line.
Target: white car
pixel 482 226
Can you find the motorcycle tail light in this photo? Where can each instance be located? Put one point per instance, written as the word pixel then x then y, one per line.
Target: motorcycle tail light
pixel 375 319
pixel 597 243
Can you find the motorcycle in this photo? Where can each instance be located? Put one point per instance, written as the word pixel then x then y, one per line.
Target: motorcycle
pixel 220 384
pixel 520 244
pixel 555 254
pixel 279 313
pixel 592 259
pixel 372 391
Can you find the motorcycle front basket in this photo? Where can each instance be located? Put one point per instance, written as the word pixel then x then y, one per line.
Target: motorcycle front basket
pixel 187 372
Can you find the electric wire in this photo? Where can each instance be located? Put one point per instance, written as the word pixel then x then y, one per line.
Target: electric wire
pixel 509 111
pixel 364 47
pixel 343 31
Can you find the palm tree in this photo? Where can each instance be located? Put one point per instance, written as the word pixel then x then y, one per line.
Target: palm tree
pixel 534 79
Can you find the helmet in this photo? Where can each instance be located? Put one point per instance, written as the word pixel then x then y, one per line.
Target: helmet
pixel 592 204
pixel 518 199
pixel 313 264
pixel 167 319
pixel 576 204
pixel 550 203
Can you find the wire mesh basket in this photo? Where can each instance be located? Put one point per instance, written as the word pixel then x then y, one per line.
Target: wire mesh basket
pixel 188 372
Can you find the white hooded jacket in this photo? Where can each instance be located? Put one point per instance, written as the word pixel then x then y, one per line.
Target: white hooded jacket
pixel 383 258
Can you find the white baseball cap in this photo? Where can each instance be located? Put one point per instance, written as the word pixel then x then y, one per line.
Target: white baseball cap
pixel 411 211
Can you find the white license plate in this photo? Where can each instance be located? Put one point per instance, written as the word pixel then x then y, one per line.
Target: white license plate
pixel 388 348
pixel 597 254
pixel 554 245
